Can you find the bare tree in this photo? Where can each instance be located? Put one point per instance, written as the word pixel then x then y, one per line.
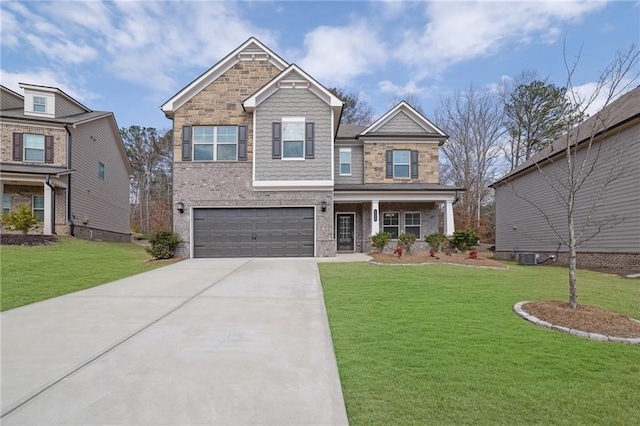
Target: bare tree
pixel 356 110
pixel 410 98
pixel 150 154
pixel 577 168
pixel 473 121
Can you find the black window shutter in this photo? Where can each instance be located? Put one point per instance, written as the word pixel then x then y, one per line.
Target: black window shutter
pixel 186 143
pixel 17 147
pixel 48 149
pixel 277 138
pixel 414 164
pixel 309 144
pixel 389 168
pixel 242 143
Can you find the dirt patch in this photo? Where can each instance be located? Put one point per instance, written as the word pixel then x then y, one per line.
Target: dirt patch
pixel 165 262
pixel 27 240
pixel 587 318
pixel 442 258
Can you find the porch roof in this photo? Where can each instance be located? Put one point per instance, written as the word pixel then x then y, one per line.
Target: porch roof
pixel 33 169
pixel 395 187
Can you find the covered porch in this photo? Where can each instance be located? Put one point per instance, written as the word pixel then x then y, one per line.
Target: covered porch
pixel 43 188
pixel 364 210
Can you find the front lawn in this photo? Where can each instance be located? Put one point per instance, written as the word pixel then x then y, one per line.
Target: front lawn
pixel 31 274
pixel 441 345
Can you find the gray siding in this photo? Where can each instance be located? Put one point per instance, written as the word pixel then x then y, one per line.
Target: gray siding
pixel 65 108
pixel 293 76
pixel 401 123
pixel 357 165
pixel 103 204
pixel 293 103
pixel 10 101
pixel 521 227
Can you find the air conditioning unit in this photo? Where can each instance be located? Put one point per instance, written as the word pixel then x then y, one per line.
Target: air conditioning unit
pixel 528 258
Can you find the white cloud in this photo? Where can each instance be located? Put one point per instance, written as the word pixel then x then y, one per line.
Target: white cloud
pixel 458 32
pixel 411 88
pixel 595 96
pixel 337 55
pixel 45 77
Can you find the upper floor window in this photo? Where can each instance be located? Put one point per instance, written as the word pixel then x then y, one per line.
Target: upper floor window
pixel 100 170
pixel 345 161
pixel 401 164
pixel 293 138
pixel 39 104
pixel 412 223
pixel 215 143
pixel 34 148
pixel 38 207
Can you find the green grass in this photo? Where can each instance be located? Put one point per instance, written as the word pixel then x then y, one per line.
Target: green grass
pixel 436 344
pixel 31 274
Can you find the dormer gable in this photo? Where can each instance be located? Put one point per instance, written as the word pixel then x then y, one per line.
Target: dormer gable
pixel 49 102
pixel 404 121
pixel 250 50
pixel 295 78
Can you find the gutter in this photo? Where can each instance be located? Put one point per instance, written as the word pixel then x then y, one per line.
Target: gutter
pixel 69 146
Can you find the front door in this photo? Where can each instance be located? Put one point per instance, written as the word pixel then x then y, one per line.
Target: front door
pixel 345 231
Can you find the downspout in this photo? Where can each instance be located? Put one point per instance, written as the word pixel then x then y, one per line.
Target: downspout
pixel 53 202
pixel 69 215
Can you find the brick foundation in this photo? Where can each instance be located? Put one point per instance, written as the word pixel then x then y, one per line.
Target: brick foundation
pixel 586 260
pixel 100 235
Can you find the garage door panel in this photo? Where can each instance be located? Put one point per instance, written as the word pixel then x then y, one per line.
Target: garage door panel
pixel 254 232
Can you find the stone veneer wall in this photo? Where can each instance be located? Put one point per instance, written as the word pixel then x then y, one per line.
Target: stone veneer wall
pixel 220 102
pixel 375 161
pixel 59 142
pixel 229 185
pixel 87 233
pixel 586 260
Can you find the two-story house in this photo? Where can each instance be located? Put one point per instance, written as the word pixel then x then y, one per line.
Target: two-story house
pixel 263 167
pixel 66 162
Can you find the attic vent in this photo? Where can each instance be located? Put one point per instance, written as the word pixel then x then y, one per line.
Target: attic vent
pixel 528 258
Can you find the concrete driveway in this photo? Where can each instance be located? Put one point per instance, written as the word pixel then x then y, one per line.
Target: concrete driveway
pixel 203 341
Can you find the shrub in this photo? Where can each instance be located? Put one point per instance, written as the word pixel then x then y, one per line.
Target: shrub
pixel 465 239
pixel 380 240
pixel 406 240
pixel 163 244
pixel 436 240
pixel 20 220
pixel 135 229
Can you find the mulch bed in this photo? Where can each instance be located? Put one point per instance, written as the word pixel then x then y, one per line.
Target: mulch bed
pixel 587 318
pixel 440 258
pixel 27 240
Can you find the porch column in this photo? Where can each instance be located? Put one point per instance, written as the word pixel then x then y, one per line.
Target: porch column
pixel 448 219
pixel 48 209
pixel 375 217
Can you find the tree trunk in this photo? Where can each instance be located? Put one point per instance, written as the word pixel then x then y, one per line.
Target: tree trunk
pixel 573 290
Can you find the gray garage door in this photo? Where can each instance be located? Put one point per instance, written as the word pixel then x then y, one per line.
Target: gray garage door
pixel 253 232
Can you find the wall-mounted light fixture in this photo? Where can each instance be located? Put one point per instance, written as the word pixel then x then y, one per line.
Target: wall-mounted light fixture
pixel 180 207
pixel 375 215
pixel 323 206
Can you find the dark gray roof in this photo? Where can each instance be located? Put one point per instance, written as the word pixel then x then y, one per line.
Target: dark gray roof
pixel 396 187
pixel 349 130
pixel 18 114
pixel 34 169
pixel 622 110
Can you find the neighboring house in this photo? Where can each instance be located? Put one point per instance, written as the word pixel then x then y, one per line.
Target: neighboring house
pixel 263 167
pixel 66 162
pixel 615 151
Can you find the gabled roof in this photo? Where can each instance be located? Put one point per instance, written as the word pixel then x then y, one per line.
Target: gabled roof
pixel 35 87
pixel 349 131
pixel 10 92
pixel 617 113
pixel 404 107
pixel 250 49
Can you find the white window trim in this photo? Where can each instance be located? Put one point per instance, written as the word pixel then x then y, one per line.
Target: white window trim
pixel 215 144
pixel 104 170
pixel 340 163
pixel 382 225
pixel 33 205
pixel 419 225
pixel 24 148
pixel 43 104
pixel 8 206
pixel 393 165
pixel 304 135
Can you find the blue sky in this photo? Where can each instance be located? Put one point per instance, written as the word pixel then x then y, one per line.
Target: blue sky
pixel 129 57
